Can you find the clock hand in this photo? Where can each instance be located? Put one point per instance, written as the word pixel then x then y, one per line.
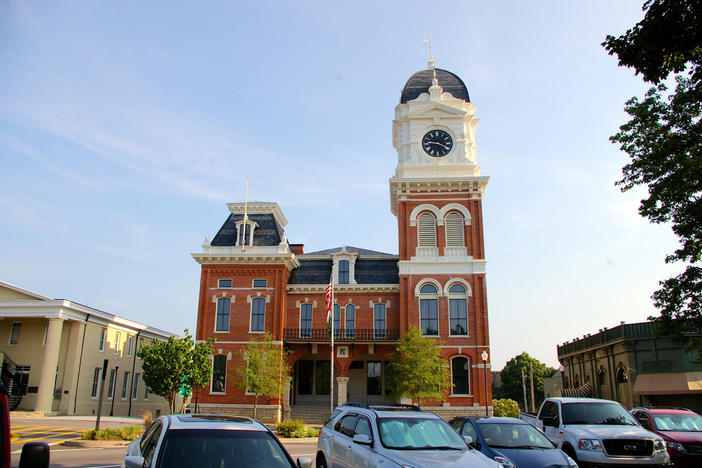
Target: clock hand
pixel 437 143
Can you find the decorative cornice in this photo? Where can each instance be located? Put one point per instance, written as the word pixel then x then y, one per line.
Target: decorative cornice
pixel 470 267
pixel 474 186
pixel 288 259
pixel 343 288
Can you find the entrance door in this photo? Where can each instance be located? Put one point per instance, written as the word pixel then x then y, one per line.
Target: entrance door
pixel 357 385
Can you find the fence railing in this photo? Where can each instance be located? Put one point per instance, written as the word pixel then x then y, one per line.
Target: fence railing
pixel 306 335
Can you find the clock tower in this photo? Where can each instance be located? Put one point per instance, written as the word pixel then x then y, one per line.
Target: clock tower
pixel 436 195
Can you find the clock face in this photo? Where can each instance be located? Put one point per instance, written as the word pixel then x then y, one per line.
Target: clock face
pixel 437 143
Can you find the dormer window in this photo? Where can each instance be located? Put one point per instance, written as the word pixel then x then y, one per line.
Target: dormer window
pixel 343 272
pixel 245 235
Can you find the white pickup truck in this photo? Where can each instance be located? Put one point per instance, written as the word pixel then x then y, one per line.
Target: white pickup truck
pixel 598 433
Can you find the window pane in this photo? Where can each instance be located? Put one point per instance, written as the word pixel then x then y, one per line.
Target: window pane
pixel 258 314
pixel 337 320
pixel 223 309
pixel 350 321
pixel 14 333
pixel 429 316
pixel 379 325
pixel 304 377
pixel 343 272
pixel 459 374
pixel 426 230
pixel 135 388
pixel 96 381
pixel 373 377
pixel 306 320
pixel 259 283
pixel 428 289
pixel 219 373
pixel 323 377
pixel 125 384
pixel 457 288
pixel 225 283
pixel 111 386
pixel 453 225
pixel 458 314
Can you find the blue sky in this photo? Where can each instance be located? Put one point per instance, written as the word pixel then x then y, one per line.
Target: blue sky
pixel 126 127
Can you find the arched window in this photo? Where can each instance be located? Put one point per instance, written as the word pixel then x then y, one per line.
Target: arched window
pixel 453 225
pixel 426 230
pixel 429 310
pixel 337 320
pixel 223 309
pixel 306 320
pixel 379 323
pixel 258 314
pixel 460 375
pixel 458 310
pixel 350 321
pixel 219 373
pixel 343 272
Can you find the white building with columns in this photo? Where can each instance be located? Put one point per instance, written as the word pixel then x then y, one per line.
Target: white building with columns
pixel 53 353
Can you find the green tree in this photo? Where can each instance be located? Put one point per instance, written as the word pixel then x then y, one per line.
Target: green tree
pixel 417 370
pixel 664 142
pixel 169 365
pixel 263 370
pixel 511 376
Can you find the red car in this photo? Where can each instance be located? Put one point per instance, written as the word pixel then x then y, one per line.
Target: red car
pixel 679 427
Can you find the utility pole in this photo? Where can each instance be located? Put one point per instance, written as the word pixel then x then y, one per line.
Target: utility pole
pixel 102 393
pixel 526 408
pixel 531 377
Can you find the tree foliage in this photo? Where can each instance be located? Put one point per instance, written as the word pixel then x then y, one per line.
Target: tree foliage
pixel 263 369
pixel 511 377
pixel 178 362
pixel 417 370
pixel 664 142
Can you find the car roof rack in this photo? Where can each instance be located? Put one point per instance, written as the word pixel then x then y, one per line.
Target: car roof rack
pixel 383 406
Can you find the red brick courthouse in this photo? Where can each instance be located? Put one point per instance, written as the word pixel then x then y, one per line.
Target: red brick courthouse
pixel 254 281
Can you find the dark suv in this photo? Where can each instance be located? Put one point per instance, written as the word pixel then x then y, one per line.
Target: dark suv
pixel 393 436
pixel 679 427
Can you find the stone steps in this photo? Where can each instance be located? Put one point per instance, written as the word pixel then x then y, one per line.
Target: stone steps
pixel 310 414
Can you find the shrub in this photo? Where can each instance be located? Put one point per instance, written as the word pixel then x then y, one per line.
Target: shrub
pixel 148 418
pixel 505 407
pixel 113 433
pixel 295 428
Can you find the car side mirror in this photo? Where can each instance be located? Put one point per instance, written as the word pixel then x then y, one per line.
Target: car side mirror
pixel 304 462
pixel 472 443
pixel 35 455
pixel 550 421
pixel 132 461
pixel 362 439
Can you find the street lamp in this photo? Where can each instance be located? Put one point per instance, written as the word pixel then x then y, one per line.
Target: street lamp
pixel 112 388
pixel 485 358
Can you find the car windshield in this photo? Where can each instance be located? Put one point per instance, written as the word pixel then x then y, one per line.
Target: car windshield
pixel 419 434
pixel 678 422
pixel 196 448
pixel 596 413
pixel 515 436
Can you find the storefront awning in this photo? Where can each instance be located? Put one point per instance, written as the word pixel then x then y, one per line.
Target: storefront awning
pixel 668 384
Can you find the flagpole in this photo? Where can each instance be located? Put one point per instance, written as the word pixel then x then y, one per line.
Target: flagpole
pixel 246 202
pixel 331 371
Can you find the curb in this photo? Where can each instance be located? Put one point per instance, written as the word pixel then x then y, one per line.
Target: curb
pixel 95 443
pixel 297 440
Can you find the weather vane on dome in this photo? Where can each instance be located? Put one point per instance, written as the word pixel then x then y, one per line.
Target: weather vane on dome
pixel 429 41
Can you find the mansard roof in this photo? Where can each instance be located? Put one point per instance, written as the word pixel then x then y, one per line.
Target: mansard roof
pixel 371 267
pixel 267 233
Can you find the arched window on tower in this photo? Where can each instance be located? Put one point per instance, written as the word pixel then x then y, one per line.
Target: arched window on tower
pixel 429 310
pixel 453 226
pixel 458 310
pixel 426 230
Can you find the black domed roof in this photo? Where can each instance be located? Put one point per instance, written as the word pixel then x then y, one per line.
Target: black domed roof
pixel 421 81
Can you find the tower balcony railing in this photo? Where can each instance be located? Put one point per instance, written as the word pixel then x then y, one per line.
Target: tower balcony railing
pixel 321 335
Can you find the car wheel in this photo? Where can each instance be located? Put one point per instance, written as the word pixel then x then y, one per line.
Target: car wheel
pixel 321 461
pixel 568 450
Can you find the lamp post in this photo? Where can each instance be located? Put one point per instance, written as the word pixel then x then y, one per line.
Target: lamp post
pixel 485 358
pixel 112 388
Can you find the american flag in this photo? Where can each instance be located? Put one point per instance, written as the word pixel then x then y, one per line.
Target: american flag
pixel 328 298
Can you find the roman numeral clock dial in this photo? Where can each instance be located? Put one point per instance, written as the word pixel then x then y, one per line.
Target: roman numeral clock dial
pixel 437 143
